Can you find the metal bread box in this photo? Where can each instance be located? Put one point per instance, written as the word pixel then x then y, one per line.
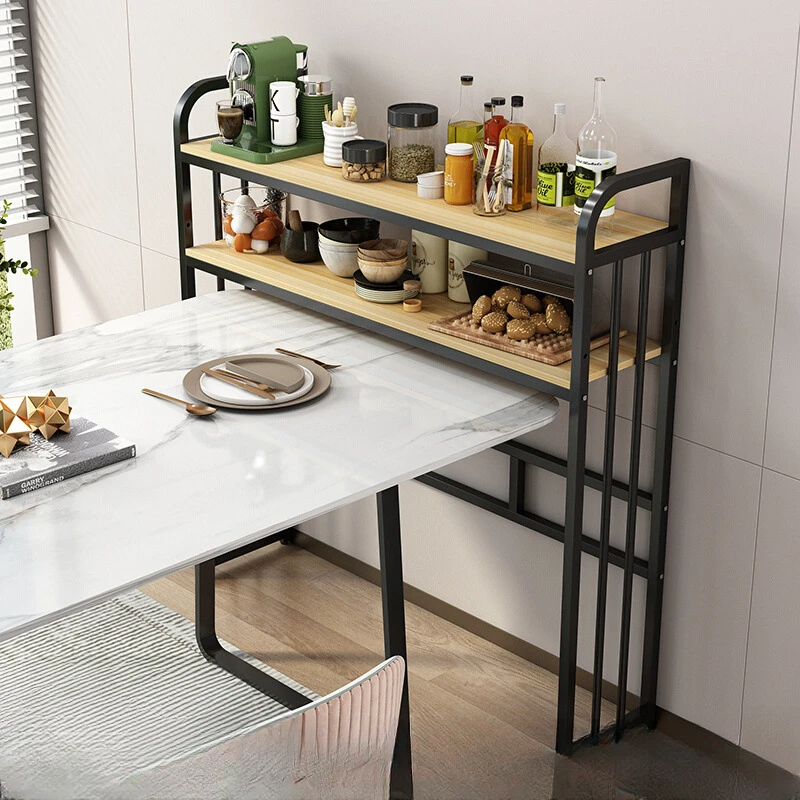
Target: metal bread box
pixel 482 277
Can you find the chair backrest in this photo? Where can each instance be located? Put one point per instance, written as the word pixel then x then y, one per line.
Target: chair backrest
pixel 338 748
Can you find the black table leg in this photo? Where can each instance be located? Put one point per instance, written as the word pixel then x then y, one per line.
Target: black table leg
pixel 212 649
pixel 394 631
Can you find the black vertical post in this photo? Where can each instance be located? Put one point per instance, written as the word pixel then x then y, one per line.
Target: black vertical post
pixel 205 624
pixel 605 514
pixel 216 191
pixel 573 520
pixel 670 338
pixel 516 485
pixel 394 631
pixel 183 180
pixel 633 490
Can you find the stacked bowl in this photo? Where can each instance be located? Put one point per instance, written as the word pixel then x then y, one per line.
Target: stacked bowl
pixel 339 240
pixel 383 260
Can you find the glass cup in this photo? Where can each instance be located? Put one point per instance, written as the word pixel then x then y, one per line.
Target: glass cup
pixel 230 119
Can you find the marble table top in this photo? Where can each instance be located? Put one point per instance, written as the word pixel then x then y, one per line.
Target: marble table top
pixel 200 487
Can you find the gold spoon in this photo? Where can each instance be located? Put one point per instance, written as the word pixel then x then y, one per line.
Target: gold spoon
pixel 195 409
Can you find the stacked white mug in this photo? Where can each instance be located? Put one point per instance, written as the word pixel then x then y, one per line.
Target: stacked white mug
pixel 283 113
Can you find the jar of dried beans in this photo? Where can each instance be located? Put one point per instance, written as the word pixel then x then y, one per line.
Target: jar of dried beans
pixel 364 160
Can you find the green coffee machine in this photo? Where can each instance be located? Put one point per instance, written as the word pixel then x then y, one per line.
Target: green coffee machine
pixel 251 69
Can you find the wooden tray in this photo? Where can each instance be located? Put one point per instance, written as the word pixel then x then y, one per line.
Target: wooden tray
pixel 549 348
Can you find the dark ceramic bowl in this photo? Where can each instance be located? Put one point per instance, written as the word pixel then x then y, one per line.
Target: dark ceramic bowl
pixel 301 247
pixel 350 230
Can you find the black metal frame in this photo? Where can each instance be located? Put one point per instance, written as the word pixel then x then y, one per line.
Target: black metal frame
pixel 573 468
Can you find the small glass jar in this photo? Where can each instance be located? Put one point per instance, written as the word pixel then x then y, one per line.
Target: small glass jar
pixel 364 160
pixel 490 194
pixel 413 131
pixel 458 174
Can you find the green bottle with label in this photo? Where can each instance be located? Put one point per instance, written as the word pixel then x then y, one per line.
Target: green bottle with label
pixel 555 182
pixel 597 153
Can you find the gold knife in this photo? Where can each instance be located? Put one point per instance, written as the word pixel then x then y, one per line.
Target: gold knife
pixel 241 384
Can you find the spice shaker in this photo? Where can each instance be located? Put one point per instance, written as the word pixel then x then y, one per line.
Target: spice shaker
pixel 412 140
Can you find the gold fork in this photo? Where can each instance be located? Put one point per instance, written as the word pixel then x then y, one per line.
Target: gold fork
pixel 307 358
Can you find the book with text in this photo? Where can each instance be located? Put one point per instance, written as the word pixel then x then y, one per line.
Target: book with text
pixel 85 448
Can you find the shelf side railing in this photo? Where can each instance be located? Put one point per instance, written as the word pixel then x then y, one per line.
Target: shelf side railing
pixel 588 258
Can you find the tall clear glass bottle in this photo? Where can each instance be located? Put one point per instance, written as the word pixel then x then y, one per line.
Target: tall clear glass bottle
pixel 518 159
pixel 555 182
pixel 465 125
pixel 597 153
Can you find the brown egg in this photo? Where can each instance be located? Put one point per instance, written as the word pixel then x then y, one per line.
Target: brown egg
pixel 269 213
pixel 241 242
pixel 265 230
pixel 226 225
pixel 279 226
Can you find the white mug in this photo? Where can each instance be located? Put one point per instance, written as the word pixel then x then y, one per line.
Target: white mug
pixel 283 98
pixel 429 261
pixel 284 130
pixel 460 256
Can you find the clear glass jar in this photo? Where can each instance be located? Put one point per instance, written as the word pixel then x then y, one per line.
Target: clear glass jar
pixel 413 138
pixel 364 160
pixel 490 195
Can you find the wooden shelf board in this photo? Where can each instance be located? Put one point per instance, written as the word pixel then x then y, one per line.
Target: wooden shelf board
pixel 545 233
pixel 316 282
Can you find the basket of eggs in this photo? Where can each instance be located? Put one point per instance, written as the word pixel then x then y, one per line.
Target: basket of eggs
pixel 252 220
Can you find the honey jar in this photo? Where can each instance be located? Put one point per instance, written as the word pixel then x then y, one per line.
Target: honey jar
pixel 458 174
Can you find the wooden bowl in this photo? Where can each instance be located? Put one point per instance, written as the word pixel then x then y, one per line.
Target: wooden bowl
pixel 383 271
pixel 383 250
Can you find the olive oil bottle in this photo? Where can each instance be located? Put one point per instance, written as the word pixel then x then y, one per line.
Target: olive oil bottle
pixel 555 180
pixel 465 125
pixel 597 154
pixel 518 159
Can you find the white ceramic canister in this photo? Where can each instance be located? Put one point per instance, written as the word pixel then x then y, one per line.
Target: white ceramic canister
pixel 429 261
pixel 459 256
pixel 334 138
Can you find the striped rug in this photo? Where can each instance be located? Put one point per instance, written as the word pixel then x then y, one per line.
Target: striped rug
pixel 88 699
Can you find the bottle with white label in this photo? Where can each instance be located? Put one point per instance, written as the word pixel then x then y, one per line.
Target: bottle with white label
pixel 555 182
pixel 597 154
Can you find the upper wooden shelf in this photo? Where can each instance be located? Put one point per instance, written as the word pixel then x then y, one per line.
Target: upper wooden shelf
pixel 521 235
pixel 315 286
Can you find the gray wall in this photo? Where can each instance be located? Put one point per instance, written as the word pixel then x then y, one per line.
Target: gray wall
pixel 712 81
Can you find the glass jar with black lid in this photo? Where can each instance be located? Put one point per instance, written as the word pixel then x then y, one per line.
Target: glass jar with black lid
pixel 364 160
pixel 413 131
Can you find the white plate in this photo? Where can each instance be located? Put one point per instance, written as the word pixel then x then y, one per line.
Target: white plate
pixel 227 393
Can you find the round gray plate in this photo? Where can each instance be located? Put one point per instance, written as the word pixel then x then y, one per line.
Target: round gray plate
pixel 322 382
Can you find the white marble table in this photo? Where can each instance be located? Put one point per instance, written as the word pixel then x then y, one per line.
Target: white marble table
pixel 201 487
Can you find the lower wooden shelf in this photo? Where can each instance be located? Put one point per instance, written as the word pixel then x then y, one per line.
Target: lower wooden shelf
pixel 315 282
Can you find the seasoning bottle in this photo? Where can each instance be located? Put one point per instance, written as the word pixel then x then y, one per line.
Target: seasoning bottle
pixel 464 125
pixel 597 153
pixel 555 183
pixel 518 159
pixel 458 174
pixel 495 123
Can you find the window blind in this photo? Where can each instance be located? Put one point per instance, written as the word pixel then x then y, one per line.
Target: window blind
pixel 20 174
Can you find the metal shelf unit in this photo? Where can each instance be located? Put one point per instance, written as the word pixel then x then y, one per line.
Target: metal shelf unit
pixel 592 251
